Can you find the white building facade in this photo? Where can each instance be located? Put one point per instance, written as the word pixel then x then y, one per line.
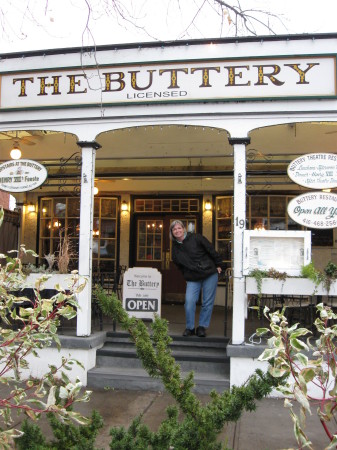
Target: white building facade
pixel 161 129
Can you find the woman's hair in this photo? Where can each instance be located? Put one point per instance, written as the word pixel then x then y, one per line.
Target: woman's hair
pixel 173 224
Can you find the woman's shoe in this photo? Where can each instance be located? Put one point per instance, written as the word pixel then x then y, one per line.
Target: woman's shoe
pixel 189 332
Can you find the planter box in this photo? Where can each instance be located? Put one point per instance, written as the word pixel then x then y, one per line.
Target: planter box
pixel 64 280
pixel 291 286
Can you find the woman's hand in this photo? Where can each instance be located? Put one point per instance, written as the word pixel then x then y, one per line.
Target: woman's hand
pixel 219 269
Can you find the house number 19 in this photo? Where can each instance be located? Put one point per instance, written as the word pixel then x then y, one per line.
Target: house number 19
pixel 239 222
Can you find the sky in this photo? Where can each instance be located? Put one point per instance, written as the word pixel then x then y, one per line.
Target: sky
pixel 43 24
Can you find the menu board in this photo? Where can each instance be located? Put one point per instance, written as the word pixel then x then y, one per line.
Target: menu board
pixel 284 251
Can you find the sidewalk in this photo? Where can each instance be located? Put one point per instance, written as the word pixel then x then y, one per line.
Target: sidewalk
pixel 268 428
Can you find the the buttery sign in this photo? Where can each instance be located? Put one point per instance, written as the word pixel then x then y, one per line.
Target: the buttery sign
pixel 314 210
pixel 142 292
pixel 198 80
pixel 315 170
pixel 21 175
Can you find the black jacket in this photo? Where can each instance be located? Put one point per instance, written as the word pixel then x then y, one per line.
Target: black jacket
pixel 196 257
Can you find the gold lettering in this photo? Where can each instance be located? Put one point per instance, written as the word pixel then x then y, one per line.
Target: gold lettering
pixel 23 85
pixel 232 75
pixel 301 72
pixel 205 74
pixel 262 75
pixel 174 77
pixel 109 81
pixel 134 80
pixel 55 85
pixel 73 83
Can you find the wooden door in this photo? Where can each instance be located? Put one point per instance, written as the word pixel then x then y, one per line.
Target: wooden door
pixel 153 249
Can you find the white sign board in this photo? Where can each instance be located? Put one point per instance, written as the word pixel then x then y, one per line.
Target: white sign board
pixel 314 210
pixel 284 251
pixel 142 292
pixel 21 175
pixel 315 170
pixel 296 77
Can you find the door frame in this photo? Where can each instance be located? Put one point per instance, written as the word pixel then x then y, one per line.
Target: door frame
pixel 134 215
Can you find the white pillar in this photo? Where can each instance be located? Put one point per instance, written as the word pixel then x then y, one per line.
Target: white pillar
pixel 85 237
pixel 239 303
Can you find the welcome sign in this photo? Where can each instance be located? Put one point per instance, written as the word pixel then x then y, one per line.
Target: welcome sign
pixel 142 292
pixel 21 175
pixel 178 81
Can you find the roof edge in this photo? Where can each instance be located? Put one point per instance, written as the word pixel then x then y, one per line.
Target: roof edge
pixel 175 43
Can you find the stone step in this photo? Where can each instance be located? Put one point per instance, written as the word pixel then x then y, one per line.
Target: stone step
pixel 186 362
pixel 118 366
pixel 176 349
pixel 193 341
pixel 138 379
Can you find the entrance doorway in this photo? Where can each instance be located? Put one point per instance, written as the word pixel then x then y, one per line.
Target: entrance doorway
pixel 152 247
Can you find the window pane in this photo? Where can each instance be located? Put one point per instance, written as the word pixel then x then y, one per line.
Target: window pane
pixel 224 228
pixel 108 228
pixel 60 207
pixel 224 248
pixel 224 207
pixel 259 206
pixel 277 206
pixel 96 207
pixel 277 224
pixel 46 208
pixel 259 223
pixel 73 227
pixel 108 207
pixel 321 238
pixel 45 230
pixel 73 207
pixel 292 225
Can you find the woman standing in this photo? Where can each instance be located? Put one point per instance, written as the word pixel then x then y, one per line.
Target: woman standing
pixel 200 265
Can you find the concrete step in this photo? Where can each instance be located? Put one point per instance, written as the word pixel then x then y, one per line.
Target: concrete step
pixel 118 366
pixel 138 379
pixel 194 341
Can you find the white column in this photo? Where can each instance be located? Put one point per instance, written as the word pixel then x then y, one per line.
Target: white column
pixel 239 303
pixel 85 237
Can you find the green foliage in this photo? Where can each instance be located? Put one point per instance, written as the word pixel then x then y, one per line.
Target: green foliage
pixel 258 275
pixel 201 424
pixel 306 365
pixel 68 436
pixel 32 438
pixel 26 327
pixel 328 276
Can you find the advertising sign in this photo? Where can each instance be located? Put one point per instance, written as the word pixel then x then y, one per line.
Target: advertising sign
pixel 315 170
pixel 142 292
pixel 295 77
pixel 314 210
pixel 21 175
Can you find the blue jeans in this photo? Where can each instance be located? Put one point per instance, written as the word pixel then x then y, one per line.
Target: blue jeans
pixel 208 286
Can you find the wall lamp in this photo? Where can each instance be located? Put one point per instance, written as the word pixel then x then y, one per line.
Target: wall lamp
pixel 30 207
pixel 208 205
pixel 124 206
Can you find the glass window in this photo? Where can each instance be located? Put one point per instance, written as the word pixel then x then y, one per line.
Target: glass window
pixel 223 229
pixel 167 205
pixel 63 214
pixel 150 238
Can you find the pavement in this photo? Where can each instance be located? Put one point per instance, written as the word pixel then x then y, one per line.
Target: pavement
pixel 268 428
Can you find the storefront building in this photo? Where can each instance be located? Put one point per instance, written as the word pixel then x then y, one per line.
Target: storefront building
pixel 201 131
